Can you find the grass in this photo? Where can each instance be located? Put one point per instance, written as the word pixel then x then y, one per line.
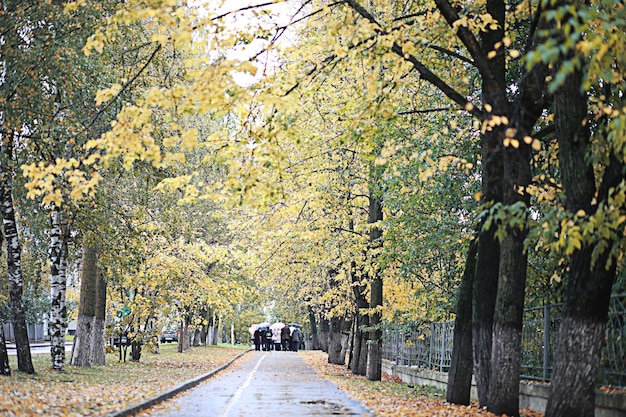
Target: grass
pixel 99 390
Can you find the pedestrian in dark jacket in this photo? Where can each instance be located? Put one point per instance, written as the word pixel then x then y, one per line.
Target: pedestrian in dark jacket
pixel 296 338
pixel 266 338
pixel 257 340
pixel 285 336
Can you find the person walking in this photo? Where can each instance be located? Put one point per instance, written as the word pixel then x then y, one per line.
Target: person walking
pixel 296 338
pixel 276 338
pixel 266 339
pixel 285 336
pixel 257 339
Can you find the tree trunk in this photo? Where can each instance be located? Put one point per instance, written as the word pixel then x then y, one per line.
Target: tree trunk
pixel 82 351
pixel 375 353
pixel 460 373
pixel 196 337
pixel 485 286
pixel 58 275
pixel 588 284
pixel 14 253
pixel 338 340
pixel 136 345
pixel 507 329
pixel 5 369
pixel 361 337
pixel 488 259
pixel 506 353
pixel 204 313
pixel 361 334
pixel 315 339
pixel 324 335
pixel 375 358
pixel 99 339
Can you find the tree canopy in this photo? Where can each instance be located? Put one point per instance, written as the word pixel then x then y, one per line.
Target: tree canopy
pixel 229 158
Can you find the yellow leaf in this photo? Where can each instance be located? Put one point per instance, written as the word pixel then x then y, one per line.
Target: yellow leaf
pixel 536 145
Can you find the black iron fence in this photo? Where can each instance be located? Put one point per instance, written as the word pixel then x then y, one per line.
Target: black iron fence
pixel 430 347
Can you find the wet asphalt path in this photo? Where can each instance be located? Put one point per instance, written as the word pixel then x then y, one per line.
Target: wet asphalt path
pixel 264 384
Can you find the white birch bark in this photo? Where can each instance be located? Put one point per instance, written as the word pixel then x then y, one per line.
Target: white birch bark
pixel 14 264
pixel 5 368
pixel 58 282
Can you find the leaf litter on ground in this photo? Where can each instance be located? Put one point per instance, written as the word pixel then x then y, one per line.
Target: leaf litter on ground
pixel 392 397
pixel 99 390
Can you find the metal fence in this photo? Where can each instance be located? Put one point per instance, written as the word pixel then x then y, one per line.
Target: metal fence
pixel 35 331
pixel 430 347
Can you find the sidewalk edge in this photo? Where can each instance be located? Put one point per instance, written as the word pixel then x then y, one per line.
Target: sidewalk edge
pixel 135 408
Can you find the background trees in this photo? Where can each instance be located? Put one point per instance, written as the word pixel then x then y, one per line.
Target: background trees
pixel 295 157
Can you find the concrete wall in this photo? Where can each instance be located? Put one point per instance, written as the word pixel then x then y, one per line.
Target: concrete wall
pixel 533 396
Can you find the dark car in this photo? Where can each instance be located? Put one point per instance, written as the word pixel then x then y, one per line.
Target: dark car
pixel 169 336
pixel 115 341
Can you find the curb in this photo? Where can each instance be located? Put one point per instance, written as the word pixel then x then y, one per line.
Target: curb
pixel 135 408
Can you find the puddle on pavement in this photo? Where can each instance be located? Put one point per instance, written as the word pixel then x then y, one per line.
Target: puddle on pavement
pixel 332 408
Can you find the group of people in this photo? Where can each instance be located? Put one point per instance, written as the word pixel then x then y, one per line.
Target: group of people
pixel 277 338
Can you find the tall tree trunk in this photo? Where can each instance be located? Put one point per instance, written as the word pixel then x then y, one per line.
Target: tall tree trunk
pixel 58 282
pixel 460 373
pixel 324 334
pixel 5 369
pixel 315 339
pixel 507 328
pixel 488 260
pixel 362 323
pixel 375 353
pixel 487 266
pixel 588 284
pixel 506 351
pixel 204 313
pixel 82 350
pixel 14 253
pixel 338 340
pixel 99 339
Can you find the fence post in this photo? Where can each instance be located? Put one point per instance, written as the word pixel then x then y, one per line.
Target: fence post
pixel 430 346
pixel 397 337
pixel 546 340
pixel 443 346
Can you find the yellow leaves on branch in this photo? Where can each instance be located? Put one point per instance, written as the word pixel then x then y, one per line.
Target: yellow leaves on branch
pixel 44 181
pixel 107 94
pixel 130 138
pixel 482 22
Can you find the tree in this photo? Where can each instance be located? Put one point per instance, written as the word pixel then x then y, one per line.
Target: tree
pixel 88 348
pixel 374 58
pixel 374 371
pixel 592 262
pixel 460 372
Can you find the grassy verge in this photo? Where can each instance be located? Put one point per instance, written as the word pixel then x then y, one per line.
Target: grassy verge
pixel 99 390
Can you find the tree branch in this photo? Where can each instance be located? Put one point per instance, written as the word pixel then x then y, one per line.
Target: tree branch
pixel 469 40
pixel 425 73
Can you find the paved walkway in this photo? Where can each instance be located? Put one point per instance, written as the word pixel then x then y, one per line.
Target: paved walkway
pixel 264 384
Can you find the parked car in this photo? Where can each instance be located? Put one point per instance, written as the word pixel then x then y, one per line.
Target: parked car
pixel 169 336
pixel 115 341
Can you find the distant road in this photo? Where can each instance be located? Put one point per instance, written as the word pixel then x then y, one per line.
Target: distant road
pixel 263 384
pixel 37 348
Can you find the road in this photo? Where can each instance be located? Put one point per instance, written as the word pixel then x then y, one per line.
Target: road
pixel 37 349
pixel 263 384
